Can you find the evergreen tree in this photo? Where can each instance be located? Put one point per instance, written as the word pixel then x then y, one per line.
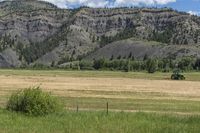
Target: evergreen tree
pixel 151 65
pixel 112 57
pixel 98 64
pixel 130 55
pixel 145 57
pixel 119 57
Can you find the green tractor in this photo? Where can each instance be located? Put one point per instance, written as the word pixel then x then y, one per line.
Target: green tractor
pixel 177 76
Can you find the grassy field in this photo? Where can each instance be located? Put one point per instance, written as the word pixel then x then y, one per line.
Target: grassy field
pixel 175 105
pixel 192 76
pixel 99 122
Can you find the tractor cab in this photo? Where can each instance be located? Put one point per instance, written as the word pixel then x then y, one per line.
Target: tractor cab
pixel 177 75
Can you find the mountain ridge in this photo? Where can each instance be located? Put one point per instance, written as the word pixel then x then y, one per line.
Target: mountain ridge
pixel 39 32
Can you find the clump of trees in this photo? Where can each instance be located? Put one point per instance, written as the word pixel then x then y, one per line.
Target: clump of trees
pixel 127 64
pixel 164 36
pixel 6 42
pixel 125 34
pixel 151 65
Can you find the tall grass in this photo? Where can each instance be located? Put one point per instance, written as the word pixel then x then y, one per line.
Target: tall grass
pixel 98 122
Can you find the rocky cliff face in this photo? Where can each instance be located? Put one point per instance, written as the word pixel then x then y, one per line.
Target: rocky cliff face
pixel 39 32
pixel 179 28
pixel 30 21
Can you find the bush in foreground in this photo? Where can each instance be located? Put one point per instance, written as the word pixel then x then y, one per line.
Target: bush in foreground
pixel 34 102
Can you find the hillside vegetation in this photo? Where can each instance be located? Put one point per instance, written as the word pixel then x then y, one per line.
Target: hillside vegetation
pixel 35 32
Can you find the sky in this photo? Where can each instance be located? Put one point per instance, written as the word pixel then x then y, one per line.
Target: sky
pixel 190 6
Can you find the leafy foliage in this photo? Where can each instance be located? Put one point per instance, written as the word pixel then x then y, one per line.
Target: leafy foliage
pixel 34 102
pixel 35 50
pixel 163 37
pixel 86 65
pixel 125 34
pixel 6 42
pixel 98 64
pixel 151 65
pixel 64 60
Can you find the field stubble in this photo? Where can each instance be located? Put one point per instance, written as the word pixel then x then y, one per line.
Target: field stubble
pixel 122 93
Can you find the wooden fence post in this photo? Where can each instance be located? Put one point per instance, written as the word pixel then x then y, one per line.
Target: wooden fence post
pixel 107 108
pixel 77 108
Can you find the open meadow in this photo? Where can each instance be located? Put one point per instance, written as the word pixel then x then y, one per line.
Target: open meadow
pixel 149 102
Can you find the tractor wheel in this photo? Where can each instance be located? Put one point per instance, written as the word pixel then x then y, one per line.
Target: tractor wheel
pixel 182 77
pixel 173 77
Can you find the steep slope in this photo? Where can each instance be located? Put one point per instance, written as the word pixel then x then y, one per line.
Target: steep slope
pixel 34 29
pixel 140 48
pixel 30 21
pixel 3 62
pixel 39 32
pixel 165 25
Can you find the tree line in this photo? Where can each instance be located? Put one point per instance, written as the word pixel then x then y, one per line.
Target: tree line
pixel 150 65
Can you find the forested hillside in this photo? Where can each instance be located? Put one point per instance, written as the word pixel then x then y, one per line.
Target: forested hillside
pixel 39 33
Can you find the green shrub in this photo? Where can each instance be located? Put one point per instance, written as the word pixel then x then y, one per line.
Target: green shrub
pixel 152 65
pixel 34 102
pixel 99 64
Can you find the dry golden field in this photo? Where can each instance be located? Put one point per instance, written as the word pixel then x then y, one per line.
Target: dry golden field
pixel 122 93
